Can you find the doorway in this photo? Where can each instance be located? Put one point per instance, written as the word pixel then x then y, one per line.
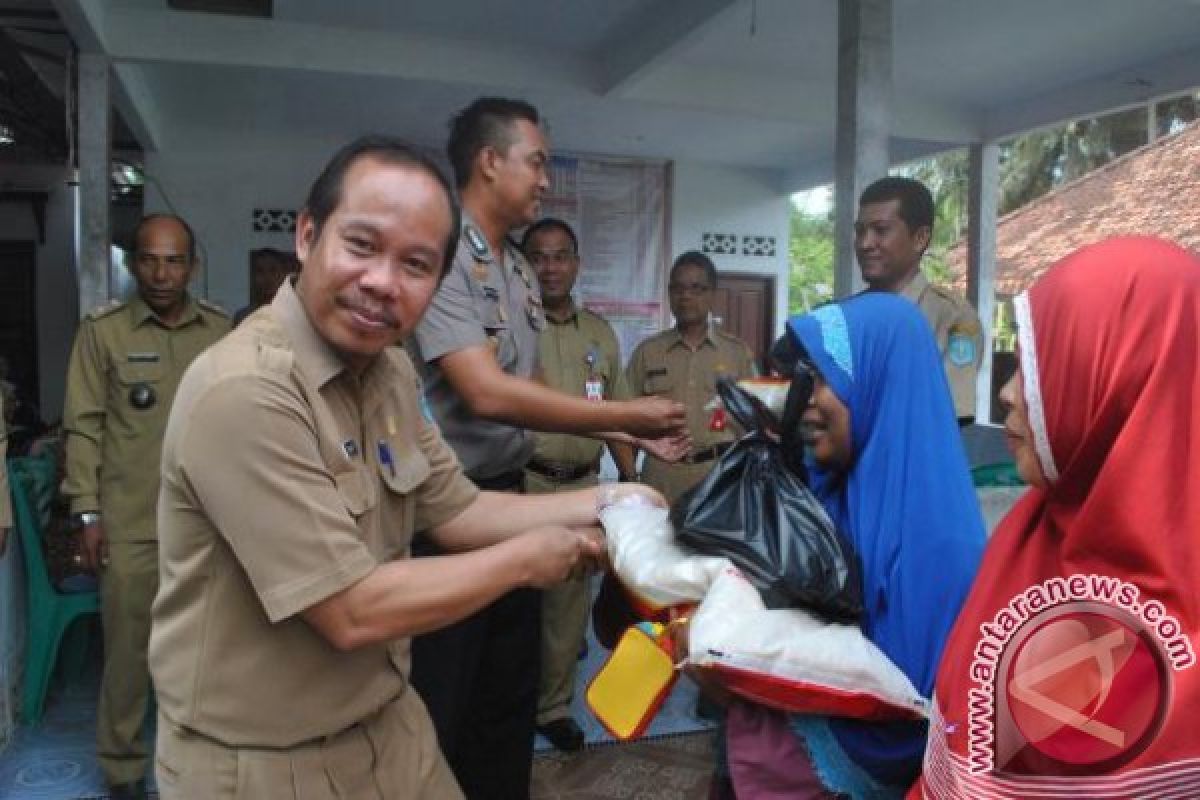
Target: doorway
pixel 744 306
pixel 18 317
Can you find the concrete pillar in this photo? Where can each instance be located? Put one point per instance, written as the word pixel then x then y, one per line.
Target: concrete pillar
pixel 864 121
pixel 95 146
pixel 1151 121
pixel 983 193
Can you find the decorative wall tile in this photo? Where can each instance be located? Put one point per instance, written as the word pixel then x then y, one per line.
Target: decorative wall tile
pixel 724 244
pixel 762 246
pixel 274 220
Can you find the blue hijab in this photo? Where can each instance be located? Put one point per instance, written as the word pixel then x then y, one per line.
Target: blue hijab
pixel 907 503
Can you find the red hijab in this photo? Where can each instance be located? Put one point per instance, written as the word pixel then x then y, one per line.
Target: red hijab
pixel 1059 686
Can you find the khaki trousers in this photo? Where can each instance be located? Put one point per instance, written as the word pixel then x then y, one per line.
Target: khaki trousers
pixel 391 755
pixel 565 610
pixel 127 588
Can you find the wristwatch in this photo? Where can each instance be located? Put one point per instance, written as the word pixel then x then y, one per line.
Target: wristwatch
pixel 86 518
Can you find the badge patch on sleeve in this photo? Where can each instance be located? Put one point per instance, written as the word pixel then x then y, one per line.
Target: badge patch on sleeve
pixel 960 347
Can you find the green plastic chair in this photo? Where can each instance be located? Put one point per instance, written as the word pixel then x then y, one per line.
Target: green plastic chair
pixel 1002 473
pixel 49 612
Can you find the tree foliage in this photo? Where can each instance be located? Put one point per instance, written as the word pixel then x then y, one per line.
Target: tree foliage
pixel 1030 166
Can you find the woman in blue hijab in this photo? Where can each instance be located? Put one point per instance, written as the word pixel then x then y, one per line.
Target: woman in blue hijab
pixel 887 462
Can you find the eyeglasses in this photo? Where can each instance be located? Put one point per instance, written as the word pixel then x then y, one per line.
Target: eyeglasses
pixel 688 288
pixel 558 258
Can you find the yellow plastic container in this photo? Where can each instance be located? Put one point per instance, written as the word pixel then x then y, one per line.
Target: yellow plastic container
pixel 632 685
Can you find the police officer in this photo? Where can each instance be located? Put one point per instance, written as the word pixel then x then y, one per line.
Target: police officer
pixel 578 354
pixel 125 366
pixel 684 364
pixel 281 636
pixel 477 346
pixel 893 229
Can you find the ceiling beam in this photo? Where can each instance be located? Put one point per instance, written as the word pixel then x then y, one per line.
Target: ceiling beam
pixel 645 41
pixel 1131 86
pixel 140 36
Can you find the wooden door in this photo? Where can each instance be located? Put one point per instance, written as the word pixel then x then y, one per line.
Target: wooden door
pixel 744 305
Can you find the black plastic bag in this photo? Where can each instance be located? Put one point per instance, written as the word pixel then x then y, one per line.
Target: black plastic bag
pixel 755 508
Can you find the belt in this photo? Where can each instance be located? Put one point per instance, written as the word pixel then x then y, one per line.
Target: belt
pixel 504 482
pixel 560 471
pixel 707 454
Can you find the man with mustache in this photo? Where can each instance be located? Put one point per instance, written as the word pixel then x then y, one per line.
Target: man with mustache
pixel 298 462
pixel 891 234
pixel 125 366
pixel 477 347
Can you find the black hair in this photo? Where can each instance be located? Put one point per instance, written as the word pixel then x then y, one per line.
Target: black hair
pixel 916 203
pixel 146 220
pixel 549 224
pixel 487 122
pixel 326 192
pixel 695 258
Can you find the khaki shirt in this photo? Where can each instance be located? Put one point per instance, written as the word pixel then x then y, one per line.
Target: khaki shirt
pixel 665 365
pixel 959 338
pixel 125 367
pixel 572 353
pixel 286 479
pixel 6 514
pixel 481 301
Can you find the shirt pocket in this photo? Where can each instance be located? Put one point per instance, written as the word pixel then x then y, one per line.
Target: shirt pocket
pixel 136 392
pixel 500 339
pixel 356 490
pixel 410 468
pixel 656 382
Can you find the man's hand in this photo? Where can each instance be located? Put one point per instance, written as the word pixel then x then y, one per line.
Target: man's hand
pixel 553 552
pixel 95 549
pixel 653 417
pixel 669 448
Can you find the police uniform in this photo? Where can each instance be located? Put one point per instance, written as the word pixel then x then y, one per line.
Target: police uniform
pixel 479 676
pixel 665 365
pixel 288 478
pixel 121 379
pixel 577 355
pixel 959 338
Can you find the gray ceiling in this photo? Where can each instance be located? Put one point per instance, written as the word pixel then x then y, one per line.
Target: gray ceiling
pixel 740 82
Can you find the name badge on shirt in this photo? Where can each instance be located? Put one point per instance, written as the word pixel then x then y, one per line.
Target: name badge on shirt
pixel 593 387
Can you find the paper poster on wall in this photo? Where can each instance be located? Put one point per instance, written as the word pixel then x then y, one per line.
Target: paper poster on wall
pixel 617 208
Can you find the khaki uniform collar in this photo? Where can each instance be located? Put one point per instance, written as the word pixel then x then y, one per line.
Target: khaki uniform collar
pixel 141 313
pixel 916 287
pixel 571 317
pixel 675 338
pixel 317 359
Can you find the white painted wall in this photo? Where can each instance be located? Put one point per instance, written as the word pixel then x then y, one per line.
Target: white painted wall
pixel 57 289
pixel 707 198
pixel 217 188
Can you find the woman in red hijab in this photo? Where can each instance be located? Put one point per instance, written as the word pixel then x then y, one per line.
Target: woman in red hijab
pixel 1071 670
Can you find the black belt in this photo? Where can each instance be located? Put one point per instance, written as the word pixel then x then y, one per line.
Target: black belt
pixel 504 482
pixel 707 454
pixel 560 471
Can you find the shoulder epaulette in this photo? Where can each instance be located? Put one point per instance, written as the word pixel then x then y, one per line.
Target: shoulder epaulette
pixel 210 306
pixel 99 312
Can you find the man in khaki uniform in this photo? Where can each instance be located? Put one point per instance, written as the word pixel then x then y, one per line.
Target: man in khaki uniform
pixel 894 225
pixel 125 366
pixel 684 363
pixel 476 349
pixel 577 354
pixel 298 462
